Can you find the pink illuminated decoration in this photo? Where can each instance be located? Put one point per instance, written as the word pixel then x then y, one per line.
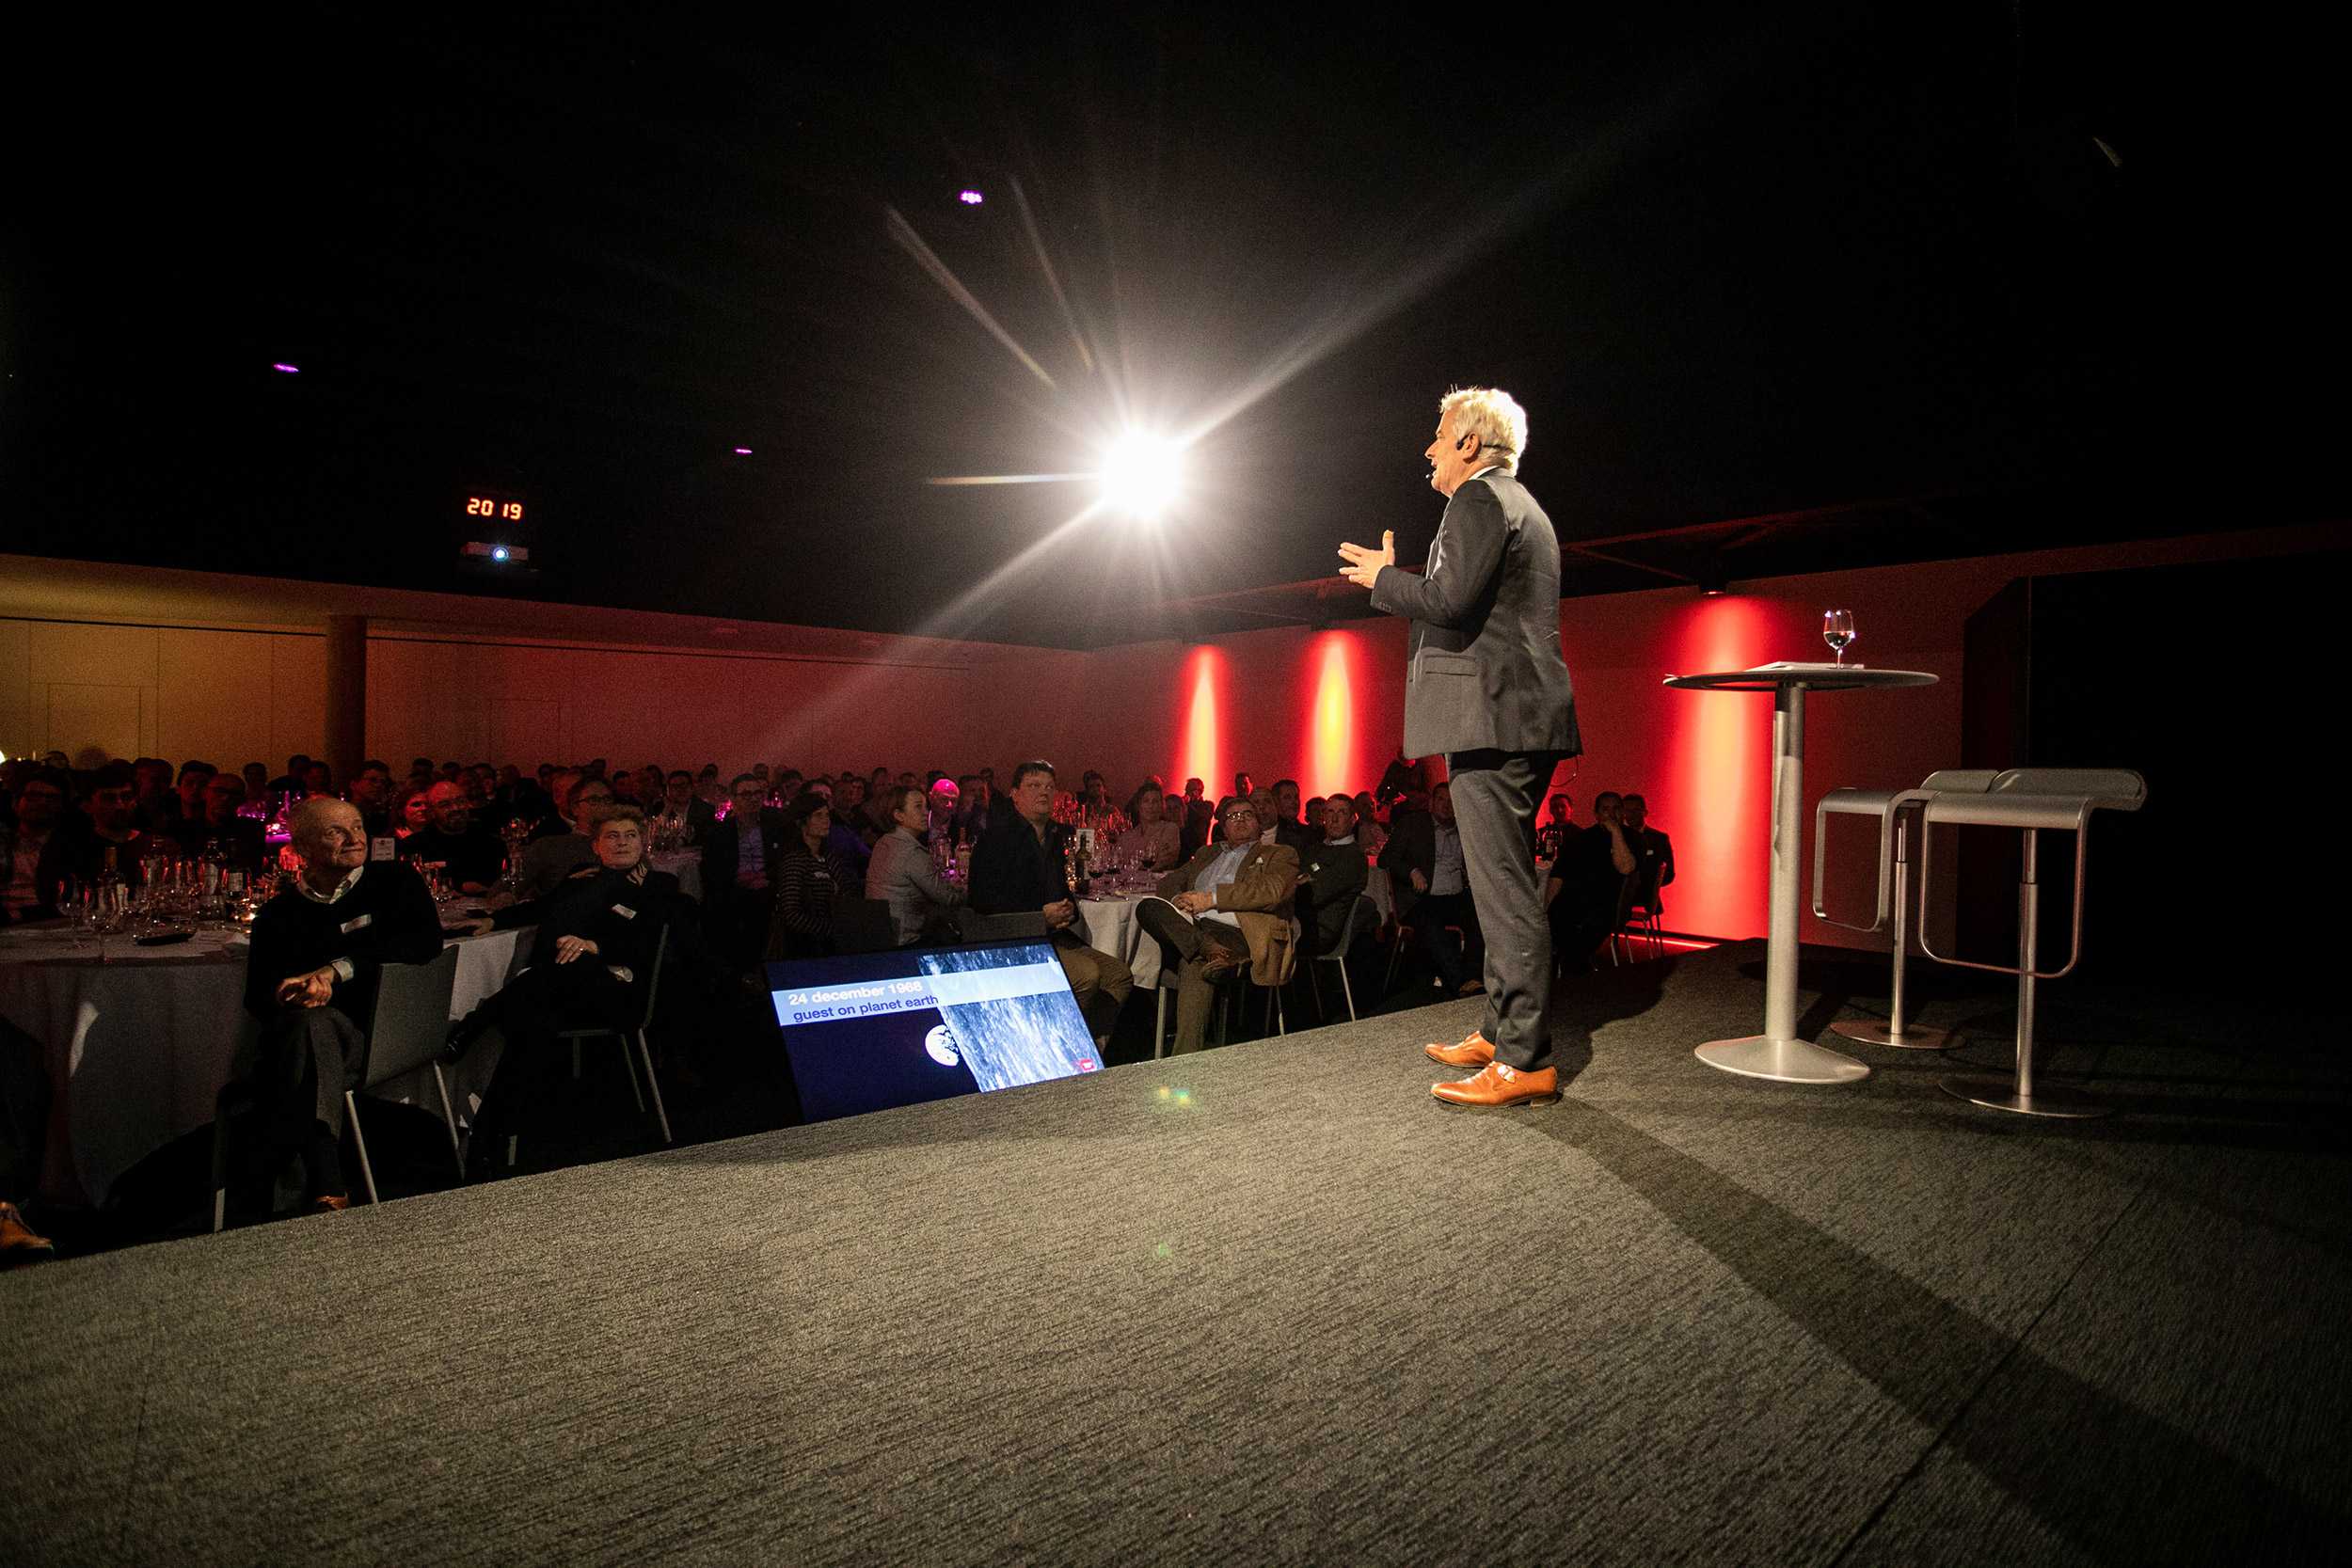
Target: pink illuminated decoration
pixel 970 198
pixel 1331 729
pixel 1203 752
pixel 742 451
pixel 289 370
pixel 1719 759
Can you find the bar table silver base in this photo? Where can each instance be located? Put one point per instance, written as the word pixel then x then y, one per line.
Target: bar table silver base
pixel 2000 1094
pixel 1870 1031
pixel 1782 1061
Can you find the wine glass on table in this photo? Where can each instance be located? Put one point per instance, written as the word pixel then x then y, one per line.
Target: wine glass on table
pixel 1837 632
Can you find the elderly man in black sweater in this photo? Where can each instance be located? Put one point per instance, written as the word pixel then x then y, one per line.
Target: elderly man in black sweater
pixel 318 950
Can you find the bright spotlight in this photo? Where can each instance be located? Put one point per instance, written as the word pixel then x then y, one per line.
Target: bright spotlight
pixel 1140 474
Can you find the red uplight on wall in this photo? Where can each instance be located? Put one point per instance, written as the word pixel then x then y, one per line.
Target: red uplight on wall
pixel 1203 750
pixel 1331 722
pixel 1719 762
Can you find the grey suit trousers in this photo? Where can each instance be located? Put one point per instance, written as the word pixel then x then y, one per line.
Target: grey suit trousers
pixel 1496 795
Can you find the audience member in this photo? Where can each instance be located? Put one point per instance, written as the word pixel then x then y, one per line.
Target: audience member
pixel 1581 894
pixel 102 844
pixel 1199 818
pixel 157 806
pixel 902 875
pixel 412 809
pixel 1289 827
pixel 318 948
pixel 739 854
pixel 682 811
pixel 317 779
pixel 1159 829
pixel 1370 830
pixel 40 814
pixel 972 796
pixel 546 862
pixel 1017 868
pixel 256 782
pixel 808 877
pixel 216 825
pixel 1095 808
pixel 942 805
pixel 593 958
pixel 1335 871
pixel 372 792
pixel 1243 790
pixel 1230 902
pixel 1432 894
pixel 1653 852
pixel 1553 838
pixel 193 776
pixel 472 856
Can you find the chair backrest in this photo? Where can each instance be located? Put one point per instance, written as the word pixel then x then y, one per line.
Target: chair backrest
pixel 410 1026
pixel 653 986
pixel 864 925
pixel 1355 923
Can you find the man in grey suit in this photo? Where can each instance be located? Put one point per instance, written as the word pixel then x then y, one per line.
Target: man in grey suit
pixel 1486 684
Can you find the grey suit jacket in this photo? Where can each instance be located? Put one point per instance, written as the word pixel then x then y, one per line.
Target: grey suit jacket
pixel 1485 671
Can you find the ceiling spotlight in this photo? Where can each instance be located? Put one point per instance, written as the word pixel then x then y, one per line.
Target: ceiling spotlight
pixel 742 451
pixel 970 198
pixel 1140 474
pixel 289 370
pixel 498 552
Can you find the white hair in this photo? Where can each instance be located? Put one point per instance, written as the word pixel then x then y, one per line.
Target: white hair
pixel 1494 417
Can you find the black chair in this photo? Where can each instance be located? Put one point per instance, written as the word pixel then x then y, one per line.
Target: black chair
pixel 626 1036
pixel 1338 957
pixel 407 1030
pixel 864 925
pixel 1396 950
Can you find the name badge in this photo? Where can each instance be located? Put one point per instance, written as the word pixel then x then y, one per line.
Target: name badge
pixel 383 849
pixel 624 911
pixel 356 922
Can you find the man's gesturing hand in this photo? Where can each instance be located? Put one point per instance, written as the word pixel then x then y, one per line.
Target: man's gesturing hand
pixel 1363 566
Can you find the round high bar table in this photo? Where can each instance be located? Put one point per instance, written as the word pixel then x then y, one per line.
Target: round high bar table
pixel 1777 1053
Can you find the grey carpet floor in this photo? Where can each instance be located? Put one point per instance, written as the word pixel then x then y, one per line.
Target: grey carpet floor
pixel 1274 1303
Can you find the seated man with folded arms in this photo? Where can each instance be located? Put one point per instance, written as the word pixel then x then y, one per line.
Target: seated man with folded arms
pixel 1017 869
pixel 1336 872
pixel 592 961
pixel 1238 896
pixel 318 949
pixel 901 874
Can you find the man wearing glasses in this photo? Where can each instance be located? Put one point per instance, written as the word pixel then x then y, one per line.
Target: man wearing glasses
pixel 39 812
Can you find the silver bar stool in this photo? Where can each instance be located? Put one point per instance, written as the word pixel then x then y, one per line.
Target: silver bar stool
pixel 2034 799
pixel 1896 820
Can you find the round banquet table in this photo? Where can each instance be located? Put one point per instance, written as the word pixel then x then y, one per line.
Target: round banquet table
pixel 1111 927
pixel 1777 1053
pixel 137 1048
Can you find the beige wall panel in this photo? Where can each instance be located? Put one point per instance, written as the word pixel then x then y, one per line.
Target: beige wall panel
pixel 298 698
pixel 18 722
pixel 84 655
pixel 205 683
pixel 92 724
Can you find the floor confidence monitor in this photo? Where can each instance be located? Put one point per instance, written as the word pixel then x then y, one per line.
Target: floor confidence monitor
pixel 872 1030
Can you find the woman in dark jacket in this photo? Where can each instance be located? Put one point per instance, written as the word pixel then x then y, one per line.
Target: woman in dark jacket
pixel 592 964
pixel 808 877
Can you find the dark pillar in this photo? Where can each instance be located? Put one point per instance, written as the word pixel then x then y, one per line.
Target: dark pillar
pixel 346 695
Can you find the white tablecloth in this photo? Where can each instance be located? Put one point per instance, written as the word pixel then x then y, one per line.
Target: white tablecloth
pixel 1111 927
pixel 137 1048
pixel 686 865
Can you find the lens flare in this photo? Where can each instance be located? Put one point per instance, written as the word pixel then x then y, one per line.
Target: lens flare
pixel 1142 474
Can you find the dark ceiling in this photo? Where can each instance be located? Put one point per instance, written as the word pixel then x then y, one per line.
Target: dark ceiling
pixel 2051 271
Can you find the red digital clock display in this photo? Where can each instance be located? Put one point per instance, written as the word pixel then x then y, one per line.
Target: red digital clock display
pixel 487 506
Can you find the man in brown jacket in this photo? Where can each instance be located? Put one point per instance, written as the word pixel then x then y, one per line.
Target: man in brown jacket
pixel 1238 892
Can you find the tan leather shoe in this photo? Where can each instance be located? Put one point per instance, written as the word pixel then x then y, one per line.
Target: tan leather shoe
pixel 1474 1050
pixel 20 1243
pixel 334 1203
pixel 1502 1086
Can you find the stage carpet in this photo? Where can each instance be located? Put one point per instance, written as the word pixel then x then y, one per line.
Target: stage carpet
pixel 1275 1303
